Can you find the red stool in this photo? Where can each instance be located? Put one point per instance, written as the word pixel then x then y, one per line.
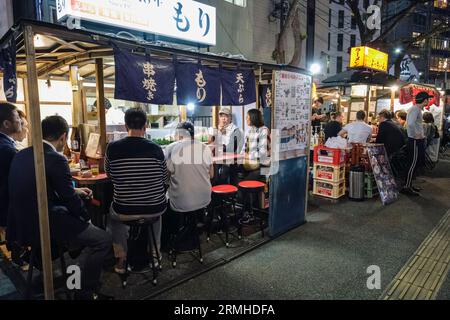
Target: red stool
pixel 248 189
pixel 222 195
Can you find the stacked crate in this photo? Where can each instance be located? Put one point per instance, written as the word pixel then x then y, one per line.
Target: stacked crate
pixel 329 172
pixel 370 186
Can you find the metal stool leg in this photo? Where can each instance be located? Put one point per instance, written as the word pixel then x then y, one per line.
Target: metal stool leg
pixel 158 254
pixel 225 223
pixel 239 226
pixel 29 287
pixel 197 238
pixel 152 259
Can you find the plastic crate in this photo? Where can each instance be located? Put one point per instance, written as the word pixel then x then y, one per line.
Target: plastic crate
pixel 330 156
pixel 328 189
pixel 328 172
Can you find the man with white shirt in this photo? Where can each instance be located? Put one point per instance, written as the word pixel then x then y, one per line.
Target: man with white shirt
pixel 416 140
pixel 358 131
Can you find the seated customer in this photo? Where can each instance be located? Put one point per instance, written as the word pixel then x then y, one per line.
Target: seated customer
pixel 389 133
pixel 357 131
pixel 190 167
pixel 69 220
pixel 137 169
pixel 333 127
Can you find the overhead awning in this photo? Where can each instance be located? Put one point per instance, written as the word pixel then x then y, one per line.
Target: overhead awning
pixel 351 77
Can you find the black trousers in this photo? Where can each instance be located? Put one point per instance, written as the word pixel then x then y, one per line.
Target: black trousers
pixel 416 158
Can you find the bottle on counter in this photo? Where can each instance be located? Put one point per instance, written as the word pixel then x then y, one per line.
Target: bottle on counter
pixel 75 140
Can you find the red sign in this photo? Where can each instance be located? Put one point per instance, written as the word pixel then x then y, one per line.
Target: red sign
pixel 407 94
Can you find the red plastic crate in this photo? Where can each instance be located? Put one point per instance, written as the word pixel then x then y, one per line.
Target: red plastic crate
pixel 330 156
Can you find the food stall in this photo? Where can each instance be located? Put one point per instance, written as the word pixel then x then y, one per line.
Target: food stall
pixel 98 78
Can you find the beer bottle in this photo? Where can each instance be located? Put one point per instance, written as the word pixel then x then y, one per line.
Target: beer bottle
pixel 75 141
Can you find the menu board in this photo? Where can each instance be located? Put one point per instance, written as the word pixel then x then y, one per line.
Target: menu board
pixel 292 102
pixel 382 173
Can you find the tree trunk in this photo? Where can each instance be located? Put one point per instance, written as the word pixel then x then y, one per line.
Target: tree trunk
pixel 279 53
pixel 298 40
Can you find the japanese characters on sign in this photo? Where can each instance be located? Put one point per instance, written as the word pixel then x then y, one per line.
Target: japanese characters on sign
pixel 238 87
pixel 292 103
pixel 8 66
pixel 198 84
pixel 182 19
pixel 143 79
pixel 365 57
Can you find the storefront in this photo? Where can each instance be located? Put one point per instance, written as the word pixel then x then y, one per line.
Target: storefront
pixel 90 80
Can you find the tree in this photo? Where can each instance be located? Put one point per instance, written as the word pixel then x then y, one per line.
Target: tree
pixel 292 23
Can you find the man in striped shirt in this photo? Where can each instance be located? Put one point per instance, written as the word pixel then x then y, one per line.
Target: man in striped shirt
pixel 138 171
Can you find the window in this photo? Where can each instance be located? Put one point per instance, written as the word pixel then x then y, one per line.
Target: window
pixel 353 40
pixel 353 23
pixel 340 42
pixel 329 41
pixel 240 3
pixel 328 64
pixel 441 4
pixel 420 19
pixel 420 44
pixel 341 19
pixel 329 18
pixel 339 64
pixel 438 63
pixel 440 44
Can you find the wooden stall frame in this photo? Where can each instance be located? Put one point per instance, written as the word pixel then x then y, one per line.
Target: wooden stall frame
pixel 38 152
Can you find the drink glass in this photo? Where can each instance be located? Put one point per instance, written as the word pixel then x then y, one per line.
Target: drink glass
pixel 95 169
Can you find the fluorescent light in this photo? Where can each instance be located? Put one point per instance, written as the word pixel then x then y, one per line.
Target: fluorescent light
pixel 93 85
pixel 315 68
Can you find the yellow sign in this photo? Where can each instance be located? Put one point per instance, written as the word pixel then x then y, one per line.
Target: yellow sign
pixel 368 58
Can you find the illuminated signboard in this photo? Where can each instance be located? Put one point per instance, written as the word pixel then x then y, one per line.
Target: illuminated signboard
pixel 365 57
pixel 182 19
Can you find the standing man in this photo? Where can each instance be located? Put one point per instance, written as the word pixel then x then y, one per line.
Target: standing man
pixel 317 115
pixel 416 136
pixel 10 125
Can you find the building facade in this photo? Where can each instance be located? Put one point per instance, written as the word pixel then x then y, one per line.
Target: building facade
pixel 431 55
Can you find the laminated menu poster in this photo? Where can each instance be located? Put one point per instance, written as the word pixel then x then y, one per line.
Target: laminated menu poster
pixel 292 102
pixel 382 173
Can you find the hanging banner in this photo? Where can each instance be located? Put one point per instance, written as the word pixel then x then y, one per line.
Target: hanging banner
pixel 197 84
pixel 143 79
pixel 238 87
pixel 8 66
pixel 265 95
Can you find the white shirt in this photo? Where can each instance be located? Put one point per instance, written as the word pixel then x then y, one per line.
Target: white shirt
pixel 115 116
pixel 189 162
pixel 52 146
pixel 358 132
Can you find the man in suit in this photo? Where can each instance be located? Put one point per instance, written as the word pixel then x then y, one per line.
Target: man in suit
pixel 10 125
pixel 69 220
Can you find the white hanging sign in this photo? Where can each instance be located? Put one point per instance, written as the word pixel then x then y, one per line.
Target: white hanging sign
pixel 182 19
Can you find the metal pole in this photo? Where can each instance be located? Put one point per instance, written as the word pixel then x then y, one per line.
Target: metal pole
pixel 38 152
